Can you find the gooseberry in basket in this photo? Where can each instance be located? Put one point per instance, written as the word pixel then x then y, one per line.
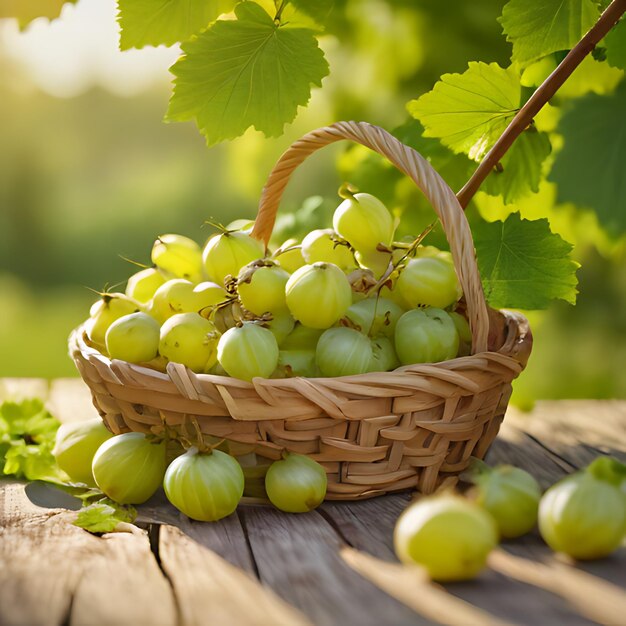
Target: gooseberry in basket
pixel 289 256
pixel 226 253
pixel 133 338
pixel 189 339
pixel 375 316
pixel 429 281
pixel 75 446
pixel 261 287
pixel 105 311
pixel 280 325
pixel 584 515
pixel 364 221
pixel 248 351
pixel 509 494
pixel 142 285
pixel 205 486
pixel 446 534
pixel 325 246
pixel 178 256
pixel 344 352
pixel 426 336
pixel 129 468
pixel 318 295
pixel 182 296
pixel 296 484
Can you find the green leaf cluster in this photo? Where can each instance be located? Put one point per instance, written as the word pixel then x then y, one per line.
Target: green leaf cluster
pixel 27 436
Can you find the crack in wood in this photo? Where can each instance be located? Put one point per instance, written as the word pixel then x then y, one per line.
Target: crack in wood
pixel 154 534
pixel 242 520
pixel 555 456
pixel 335 526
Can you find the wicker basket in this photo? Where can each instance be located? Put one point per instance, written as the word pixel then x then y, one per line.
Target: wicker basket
pixel 415 427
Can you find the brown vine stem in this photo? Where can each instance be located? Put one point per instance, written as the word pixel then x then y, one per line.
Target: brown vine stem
pixel 548 88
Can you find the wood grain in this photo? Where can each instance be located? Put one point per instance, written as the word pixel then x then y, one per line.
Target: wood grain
pixel 52 572
pixel 298 556
pixel 209 588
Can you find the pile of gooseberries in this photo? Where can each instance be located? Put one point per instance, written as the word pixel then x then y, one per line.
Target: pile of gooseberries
pixel 204 482
pixel 345 300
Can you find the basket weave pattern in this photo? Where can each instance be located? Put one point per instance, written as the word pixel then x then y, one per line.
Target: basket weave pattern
pixel 415 427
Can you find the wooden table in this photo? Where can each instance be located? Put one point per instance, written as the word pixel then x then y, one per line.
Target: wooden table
pixel 335 565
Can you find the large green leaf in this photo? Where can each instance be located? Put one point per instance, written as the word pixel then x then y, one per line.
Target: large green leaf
pixel 245 72
pixel 523 264
pixel 616 45
pixel 537 28
pixel 469 111
pixel 156 22
pixel 590 168
pixel 521 167
pixel 25 11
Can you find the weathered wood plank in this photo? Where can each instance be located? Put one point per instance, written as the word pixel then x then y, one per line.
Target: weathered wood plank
pixel 368 522
pixel 210 590
pixel 576 431
pixel 515 447
pixel 298 557
pixel 52 572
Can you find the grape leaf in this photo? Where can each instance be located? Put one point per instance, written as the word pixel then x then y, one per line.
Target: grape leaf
pixel 155 22
pixel 537 28
pixel 105 516
pixel 469 111
pixel 245 72
pixel 616 45
pixel 25 11
pixel 589 170
pixel 523 264
pixel 521 167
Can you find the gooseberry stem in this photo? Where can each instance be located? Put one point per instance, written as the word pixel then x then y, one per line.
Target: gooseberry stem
pixel 535 103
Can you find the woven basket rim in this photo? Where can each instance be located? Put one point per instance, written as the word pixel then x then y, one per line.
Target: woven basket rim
pixel 512 354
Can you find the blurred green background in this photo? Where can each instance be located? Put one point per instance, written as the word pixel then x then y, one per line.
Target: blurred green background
pixel 89 173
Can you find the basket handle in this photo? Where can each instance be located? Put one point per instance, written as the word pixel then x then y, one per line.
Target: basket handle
pixel 411 163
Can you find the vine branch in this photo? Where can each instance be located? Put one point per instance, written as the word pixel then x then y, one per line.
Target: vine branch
pixel 548 88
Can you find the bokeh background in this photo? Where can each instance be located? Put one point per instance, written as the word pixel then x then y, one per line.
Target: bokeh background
pixel 90 174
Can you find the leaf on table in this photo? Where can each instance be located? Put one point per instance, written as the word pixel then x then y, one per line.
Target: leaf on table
pixel 615 43
pixel 589 169
pixel 155 22
pixel 537 28
pixel 469 111
pixel 523 264
pixel 245 72
pixel 521 167
pixel 25 11
pixel 105 516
